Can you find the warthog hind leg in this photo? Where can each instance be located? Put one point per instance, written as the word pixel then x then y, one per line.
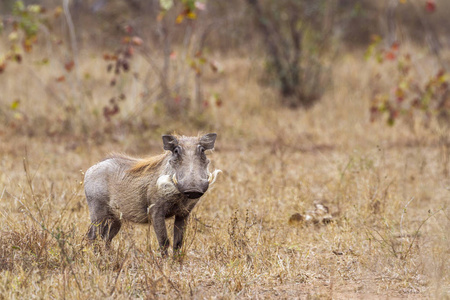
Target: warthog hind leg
pixel 107 228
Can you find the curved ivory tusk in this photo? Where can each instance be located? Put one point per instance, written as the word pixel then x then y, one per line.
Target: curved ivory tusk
pixel 174 179
pixel 213 176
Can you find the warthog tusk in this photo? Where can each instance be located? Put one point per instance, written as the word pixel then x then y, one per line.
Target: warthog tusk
pixel 174 179
pixel 213 176
pixel 150 207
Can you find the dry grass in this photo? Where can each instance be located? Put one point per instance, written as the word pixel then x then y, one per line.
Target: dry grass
pixel 384 187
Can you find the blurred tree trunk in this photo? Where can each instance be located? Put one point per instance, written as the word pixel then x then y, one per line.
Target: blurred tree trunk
pixel 287 71
pixel 297 72
pixel 391 36
pixel 77 8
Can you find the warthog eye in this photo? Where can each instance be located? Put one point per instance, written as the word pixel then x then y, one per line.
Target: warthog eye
pixel 201 149
pixel 176 151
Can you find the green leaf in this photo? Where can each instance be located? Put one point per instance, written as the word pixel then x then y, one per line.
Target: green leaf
pixel 369 52
pixel 18 8
pixel 34 8
pixel 166 4
pixel 15 104
pixel 189 4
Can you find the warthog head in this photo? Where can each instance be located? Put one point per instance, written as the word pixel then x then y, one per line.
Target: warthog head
pixel 190 164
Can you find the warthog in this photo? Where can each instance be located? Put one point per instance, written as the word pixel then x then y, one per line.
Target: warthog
pixel 150 190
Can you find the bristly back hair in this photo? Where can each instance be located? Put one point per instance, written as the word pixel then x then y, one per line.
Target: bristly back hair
pixel 147 164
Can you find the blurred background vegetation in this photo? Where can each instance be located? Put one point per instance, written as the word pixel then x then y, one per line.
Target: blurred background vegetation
pixel 90 66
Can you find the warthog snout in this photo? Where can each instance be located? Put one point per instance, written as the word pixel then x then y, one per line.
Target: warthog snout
pixel 193 194
pixel 190 188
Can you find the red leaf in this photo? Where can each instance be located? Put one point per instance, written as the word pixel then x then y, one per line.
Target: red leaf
pixel 61 79
pixel 69 66
pixel 110 111
pixel 430 6
pixel 390 55
pixel 125 66
pixel 130 51
pixel 160 16
pixel 373 110
pixel 128 29
pixel 395 46
pixel 440 73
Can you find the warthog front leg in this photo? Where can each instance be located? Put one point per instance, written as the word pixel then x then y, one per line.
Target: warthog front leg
pixel 178 232
pixel 159 225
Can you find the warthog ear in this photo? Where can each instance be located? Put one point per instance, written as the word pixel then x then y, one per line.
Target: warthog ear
pixel 207 141
pixel 170 142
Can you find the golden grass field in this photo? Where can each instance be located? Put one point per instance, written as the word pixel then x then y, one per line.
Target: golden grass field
pixel 386 189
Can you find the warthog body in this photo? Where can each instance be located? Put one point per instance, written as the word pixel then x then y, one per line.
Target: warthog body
pixel 149 190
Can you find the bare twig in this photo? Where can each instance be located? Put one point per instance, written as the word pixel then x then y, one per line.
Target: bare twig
pixel 198 220
pixel 416 234
pixel 73 43
pixel 120 271
pixel 403 214
pixel 30 185
pixel 155 262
